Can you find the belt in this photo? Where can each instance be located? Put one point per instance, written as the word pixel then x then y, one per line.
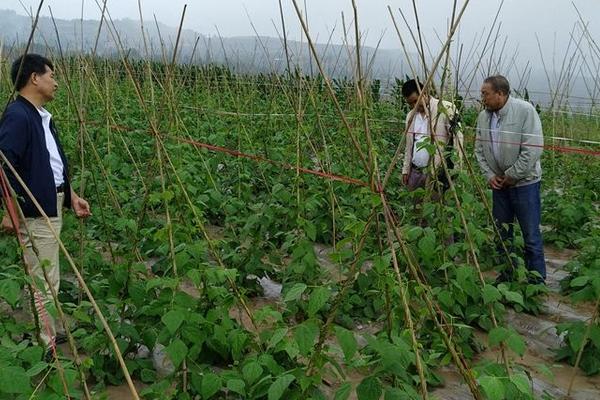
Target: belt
pixel 60 188
pixel 420 169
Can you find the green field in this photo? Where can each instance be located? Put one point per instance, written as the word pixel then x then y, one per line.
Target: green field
pixel 375 300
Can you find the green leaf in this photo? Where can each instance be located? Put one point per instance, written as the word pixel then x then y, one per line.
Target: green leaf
pixel 318 299
pixel 305 335
pixel 237 342
pixel 369 389
pixel 596 286
pixel 514 297
pixel 148 375
pixel 595 335
pixel 295 292
pixel 575 335
pixel 277 336
pixel 237 385
pixel 343 392
pixel 493 387
pixel 516 343
pixel 10 291
pixel 497 335
pixel 32 354
pixel 278 388
pixel 251 372
pixel 398 394
pixel 445 298
pixel 427 244
pixel 413 233
pixel 177 351
pixel 14 380
pixel 167 195
pixel 522 383
pixel 291 348
pixel 580 281
pixel 57 383
pixel 36 369
pixel 211 384
pixel 173 320
pixel 311 230
pixel 347 341
pixel 490 294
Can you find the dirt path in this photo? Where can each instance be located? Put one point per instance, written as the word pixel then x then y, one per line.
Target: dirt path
pixel 540 336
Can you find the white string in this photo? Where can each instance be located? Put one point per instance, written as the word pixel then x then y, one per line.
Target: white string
pixel 587 141
pixel 392 120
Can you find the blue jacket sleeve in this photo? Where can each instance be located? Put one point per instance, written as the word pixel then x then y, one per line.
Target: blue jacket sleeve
pixel 14 136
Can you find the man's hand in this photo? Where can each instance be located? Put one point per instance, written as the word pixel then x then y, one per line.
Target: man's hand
pixel 7 225
pixel 508 181
pixel 80 206
pixel 405 179
pixel 497 182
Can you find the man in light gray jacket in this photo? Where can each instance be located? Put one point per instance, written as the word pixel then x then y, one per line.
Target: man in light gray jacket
pixel 508 148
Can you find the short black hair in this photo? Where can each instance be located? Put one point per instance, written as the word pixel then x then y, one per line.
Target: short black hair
pixel 411 86
pixel 499 83
pixel 32 63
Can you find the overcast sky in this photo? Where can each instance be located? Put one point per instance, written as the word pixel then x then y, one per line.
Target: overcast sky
pixel 521 19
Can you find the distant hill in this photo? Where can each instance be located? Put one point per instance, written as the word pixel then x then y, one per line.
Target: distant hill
pixel 249 54
pixel 244 54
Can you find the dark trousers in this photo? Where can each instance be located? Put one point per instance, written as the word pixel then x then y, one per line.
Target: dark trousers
pixel 524 204
pixel 416 178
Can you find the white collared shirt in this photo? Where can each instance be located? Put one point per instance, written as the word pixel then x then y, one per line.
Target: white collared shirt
pixel 420 156
pixel 55 161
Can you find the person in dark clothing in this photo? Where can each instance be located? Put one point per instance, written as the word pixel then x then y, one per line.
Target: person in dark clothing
pixel 30 143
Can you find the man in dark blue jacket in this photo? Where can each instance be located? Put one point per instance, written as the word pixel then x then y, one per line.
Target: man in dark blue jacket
pixel 29 141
